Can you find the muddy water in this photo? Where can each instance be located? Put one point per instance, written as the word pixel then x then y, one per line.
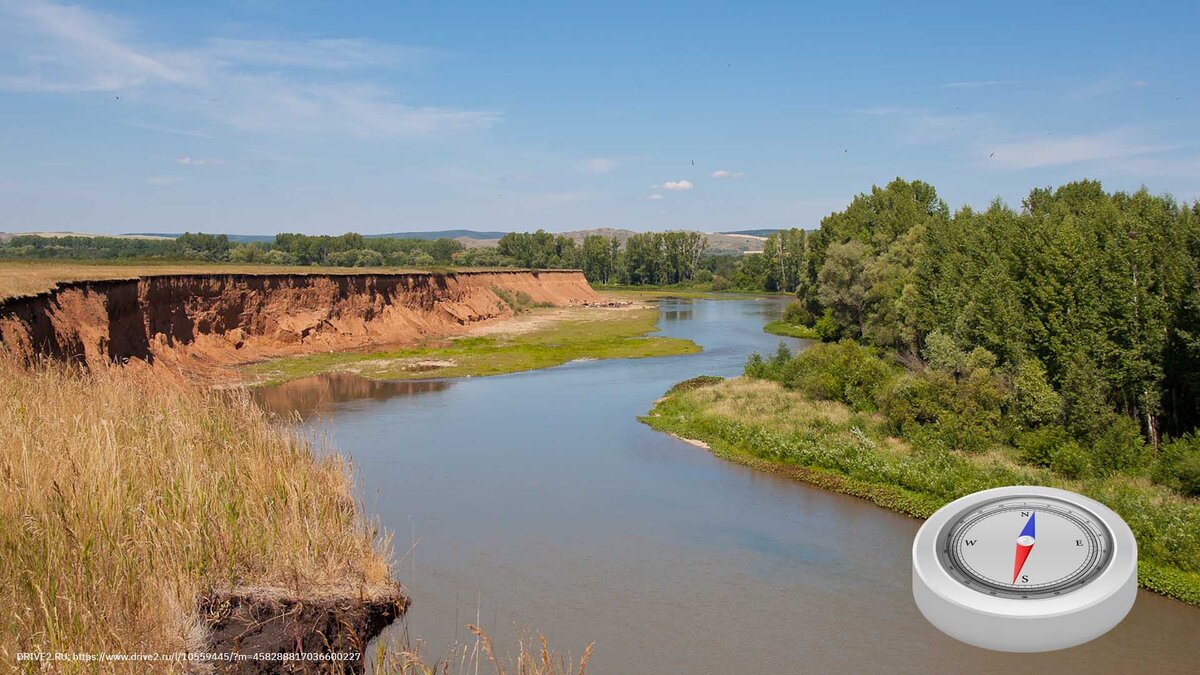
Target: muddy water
pixel 537 501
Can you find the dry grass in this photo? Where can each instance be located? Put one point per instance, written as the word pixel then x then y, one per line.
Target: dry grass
pixel 30 277
pixel 533 658
pixel 124 496
pixel 756 400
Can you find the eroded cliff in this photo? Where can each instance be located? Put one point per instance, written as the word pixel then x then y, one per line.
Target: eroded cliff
pixel 206 321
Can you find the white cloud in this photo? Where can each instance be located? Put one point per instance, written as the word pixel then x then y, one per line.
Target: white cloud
pixel 195 161
pixel 1037 152
pixel 675 185
pixel 74 49
pixel 599 165
pixel 654 197
pixel 164 180
pixel 727 174
pixel 274 86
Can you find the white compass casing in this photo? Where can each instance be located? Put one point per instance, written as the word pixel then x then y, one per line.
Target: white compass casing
pixel 973 606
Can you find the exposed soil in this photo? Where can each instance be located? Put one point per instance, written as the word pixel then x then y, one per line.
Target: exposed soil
pixel 201 324
pixel 274 622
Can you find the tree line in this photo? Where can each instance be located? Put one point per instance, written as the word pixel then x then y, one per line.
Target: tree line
pixel 347 250
pixel 1075 318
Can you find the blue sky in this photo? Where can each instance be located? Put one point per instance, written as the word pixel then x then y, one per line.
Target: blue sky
pixel 263 116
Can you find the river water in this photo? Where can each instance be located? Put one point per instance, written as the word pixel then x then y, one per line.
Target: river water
pixel 535 502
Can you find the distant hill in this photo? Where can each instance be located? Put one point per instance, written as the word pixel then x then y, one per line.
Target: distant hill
pixel 235 238
pixel 5 236
pixel 432 234
pixel 766 232
pixel 439 234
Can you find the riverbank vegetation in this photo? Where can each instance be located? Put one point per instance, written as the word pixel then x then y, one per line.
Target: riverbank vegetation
pixel 809 430
pixel 794 323
pixel 539 338
pixel 533 657
pixel 127 496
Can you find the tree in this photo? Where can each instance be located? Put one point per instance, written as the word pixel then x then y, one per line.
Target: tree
pixel 843 283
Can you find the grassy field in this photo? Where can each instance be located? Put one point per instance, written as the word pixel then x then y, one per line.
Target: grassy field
pixel 126 495
pixel 565 335
pixel 763 425
pixel 791 330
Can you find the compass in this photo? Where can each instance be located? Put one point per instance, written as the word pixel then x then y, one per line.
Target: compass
pixel 1024 569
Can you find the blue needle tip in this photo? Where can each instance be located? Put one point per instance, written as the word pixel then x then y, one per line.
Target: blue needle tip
pixel 1028 531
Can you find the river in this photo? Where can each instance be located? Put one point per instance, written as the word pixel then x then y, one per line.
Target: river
pixel 538 503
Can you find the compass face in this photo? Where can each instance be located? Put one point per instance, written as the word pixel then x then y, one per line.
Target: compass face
pixel 1025 547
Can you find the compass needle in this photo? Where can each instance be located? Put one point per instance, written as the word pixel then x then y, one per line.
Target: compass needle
pixel 1024 546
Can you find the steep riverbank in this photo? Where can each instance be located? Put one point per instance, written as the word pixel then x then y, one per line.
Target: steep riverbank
pixel 142 515
pixel 201 323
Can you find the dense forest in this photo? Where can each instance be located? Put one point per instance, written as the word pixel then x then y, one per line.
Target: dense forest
pixel 1070 328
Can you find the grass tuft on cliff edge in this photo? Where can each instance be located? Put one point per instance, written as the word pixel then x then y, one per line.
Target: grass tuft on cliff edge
pixel 125 496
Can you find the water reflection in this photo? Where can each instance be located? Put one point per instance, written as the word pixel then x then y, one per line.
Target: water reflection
pixel 675 309
pixel 310 396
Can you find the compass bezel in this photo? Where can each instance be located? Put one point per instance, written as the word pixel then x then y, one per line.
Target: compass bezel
pixel 1094 527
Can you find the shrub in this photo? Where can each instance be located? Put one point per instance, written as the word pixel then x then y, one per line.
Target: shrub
pixel 827 326
pixel 914 399
pixel 704 276
pixel 966 415
pixel 278 257
pixel 720 283
pixel 696 383
pixel 845 371
pixel 797 314
pixel 1179 464
pixel 246 253
pixel 1038 446
pixel 1035 401
pixel 1119 446
pixel 943 354
pixel 1052 446
pixel 1071 460
pixel 368 258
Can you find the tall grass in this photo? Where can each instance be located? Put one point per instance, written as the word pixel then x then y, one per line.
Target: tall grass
pixel 533 657
pixel 125 495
